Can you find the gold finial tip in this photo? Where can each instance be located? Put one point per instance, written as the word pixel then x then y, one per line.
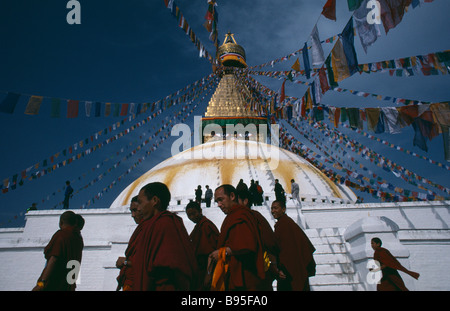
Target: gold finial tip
pixel 230 53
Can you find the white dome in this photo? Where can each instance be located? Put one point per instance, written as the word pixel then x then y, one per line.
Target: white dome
pixel 226 162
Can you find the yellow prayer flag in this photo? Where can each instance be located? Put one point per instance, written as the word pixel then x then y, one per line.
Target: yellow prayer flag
pixel 339 62
pixel 296 65
pixel 34 104
pixel 107 109
pixel 308 99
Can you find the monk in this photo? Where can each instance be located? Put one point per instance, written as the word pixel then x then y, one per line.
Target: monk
pixel 204 240
pixel 65 245
pixel 296 263
pixel 164 259
pixel 391 279
pixel 239 258
pixel 125 278
pixel 268 238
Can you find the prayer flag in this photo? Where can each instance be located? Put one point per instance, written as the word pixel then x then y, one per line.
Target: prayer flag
pixel 139 108
pixel 306 61
pixel 441 113
pixel 419 139
pixel 97 109
pixel 309 104
pixel 56 108
pixel 303 108
pixel 316 48
pixel 9 103
pixel 446 137
pixel 344 114
pixel 323 80
pixel 88 108
pixel 330 72
pixel 337 117
pixel 392 12
pixel 339 62
pixel 124 109
pixel 72 108
pixel 107 109
pixel 380 128
pixel 354 4
pixel 316 90
pixel 329 10
pixel 391 119
pixel 296 65
pixel 373 115
pixel 33 106
pixel 368 33
pixel 116 109
pixel 282 93
pixel 348 40
pixel 353 117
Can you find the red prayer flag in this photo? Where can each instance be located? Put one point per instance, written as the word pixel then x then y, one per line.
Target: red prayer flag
pixel 72 108
pixel 329 10
pixel 283 94
pixel 124 110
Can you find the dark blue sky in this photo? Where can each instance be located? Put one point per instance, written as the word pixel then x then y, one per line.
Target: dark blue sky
pixel 134 52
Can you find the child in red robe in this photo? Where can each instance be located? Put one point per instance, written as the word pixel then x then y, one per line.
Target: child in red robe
pixel 391 279
pixel 296 262
pixel 204 239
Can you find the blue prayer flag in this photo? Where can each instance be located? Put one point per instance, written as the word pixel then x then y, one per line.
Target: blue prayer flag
pixel 9 103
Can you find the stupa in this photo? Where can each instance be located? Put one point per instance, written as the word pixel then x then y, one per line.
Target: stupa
pixel 235 147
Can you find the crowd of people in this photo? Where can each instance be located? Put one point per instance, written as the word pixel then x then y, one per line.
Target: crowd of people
pixel 246 254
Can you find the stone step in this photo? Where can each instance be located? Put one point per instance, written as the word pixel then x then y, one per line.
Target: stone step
pixel 327 279
pixel 338 287
pixel 324 232
pixel 334 248
pixel 326 240
pixel 335 268
pixel 331 258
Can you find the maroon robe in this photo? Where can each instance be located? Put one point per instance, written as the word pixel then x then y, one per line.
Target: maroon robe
pixel 125 278
pixel 391 279
pixel 164 258
pixel 270 246
pixel 296 255
pixel 66 245
pixel 204 240
pixel 240 233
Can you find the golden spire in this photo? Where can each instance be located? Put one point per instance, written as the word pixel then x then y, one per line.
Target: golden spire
pixel 227 101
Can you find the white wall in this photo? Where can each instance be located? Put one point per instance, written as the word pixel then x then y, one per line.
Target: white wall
pixel 423 230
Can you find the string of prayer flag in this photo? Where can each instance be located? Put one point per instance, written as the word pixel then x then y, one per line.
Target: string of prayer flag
pixel 183 24
pixel 37 170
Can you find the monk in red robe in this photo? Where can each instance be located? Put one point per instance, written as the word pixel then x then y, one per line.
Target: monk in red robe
pixel 204 240
pixel 125 264
pixel 239 257
pixel 268 238
pixel 391 279
pixel 66 245
pixel 296 262
pixel 164 257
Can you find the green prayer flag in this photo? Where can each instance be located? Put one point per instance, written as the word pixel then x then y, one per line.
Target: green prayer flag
pixel 354 4
pixel 56 108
